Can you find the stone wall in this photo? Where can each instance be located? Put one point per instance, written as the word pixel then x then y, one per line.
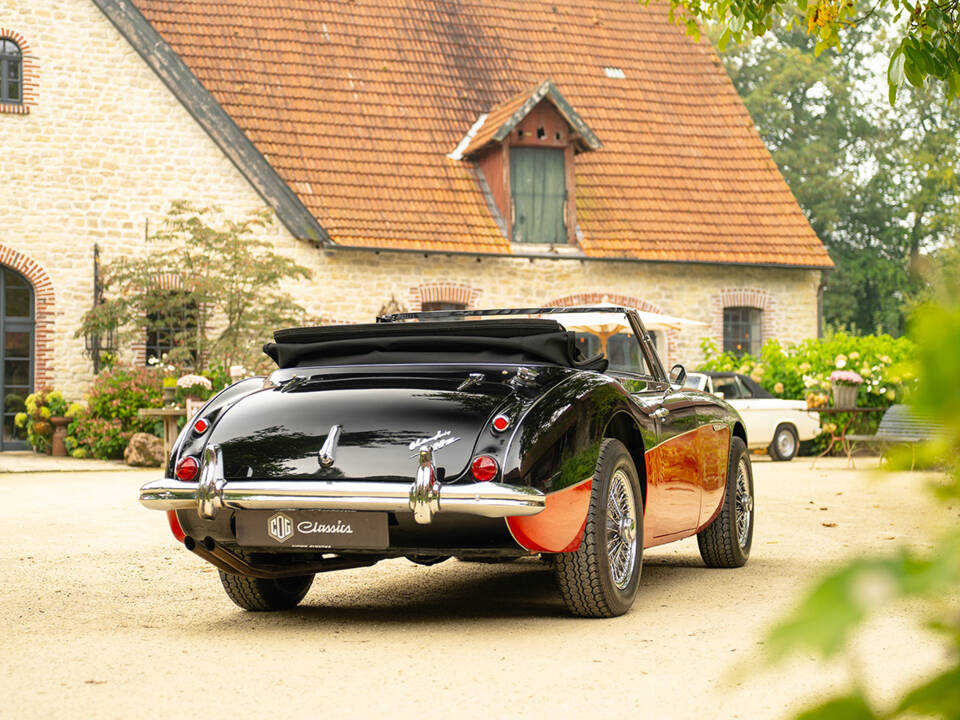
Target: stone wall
pixel 103 151
pixel 106 147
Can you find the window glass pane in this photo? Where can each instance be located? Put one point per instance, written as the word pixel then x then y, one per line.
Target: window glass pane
pixel 538 186
pixel 741 330
pixel 587 343
pixel 16 372
pixel 14 279
pixel 18 301
pixel 726 387
pixel 14 401
pixel 16 344
pixel 13 92
pixel 744 389
pixel 170 330
pixel 11 432
pixel 13 71
pixel 623 351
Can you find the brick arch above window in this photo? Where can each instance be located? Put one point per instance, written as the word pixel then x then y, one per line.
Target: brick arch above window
pixel 44 313
pixel 30 72
pixel 743 297
pixel 447 292
pixel 604 298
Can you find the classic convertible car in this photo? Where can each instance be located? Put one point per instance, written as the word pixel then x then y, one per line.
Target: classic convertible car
pixel 430 436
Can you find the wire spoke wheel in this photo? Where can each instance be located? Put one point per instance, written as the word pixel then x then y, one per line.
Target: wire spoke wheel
pixel 726 541
pixel 621 529
pixel 743 505
pixel 602 576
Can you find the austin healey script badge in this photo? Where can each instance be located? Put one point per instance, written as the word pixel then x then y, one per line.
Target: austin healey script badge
pixel 440 440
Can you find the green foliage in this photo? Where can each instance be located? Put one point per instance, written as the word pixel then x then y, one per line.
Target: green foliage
pixel 802 371
pixel 881 188
pixel 927 33
pixel 229 295
pixel 851 707
pixel 922 581
pixel 105 426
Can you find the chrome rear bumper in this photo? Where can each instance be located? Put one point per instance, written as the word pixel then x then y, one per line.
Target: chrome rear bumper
pixel 424 497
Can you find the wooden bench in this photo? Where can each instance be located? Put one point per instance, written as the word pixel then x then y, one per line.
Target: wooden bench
pixel 898 426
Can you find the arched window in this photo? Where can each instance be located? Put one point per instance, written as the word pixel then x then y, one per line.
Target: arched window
pixel 16 353
pixel 11 73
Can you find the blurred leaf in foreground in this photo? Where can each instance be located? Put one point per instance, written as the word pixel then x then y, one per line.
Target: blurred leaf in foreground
pixel 833 609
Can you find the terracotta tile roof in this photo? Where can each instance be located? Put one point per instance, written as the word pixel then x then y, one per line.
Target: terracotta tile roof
pixel 357 103
pixel 495 125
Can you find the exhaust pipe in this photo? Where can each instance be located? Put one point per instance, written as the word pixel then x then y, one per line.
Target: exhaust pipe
pixel 232 564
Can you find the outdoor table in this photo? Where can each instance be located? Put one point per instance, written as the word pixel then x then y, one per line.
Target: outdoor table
pixel 170 416
pixel 842 436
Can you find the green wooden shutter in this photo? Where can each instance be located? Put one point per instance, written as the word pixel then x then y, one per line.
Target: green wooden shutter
pixel 538 186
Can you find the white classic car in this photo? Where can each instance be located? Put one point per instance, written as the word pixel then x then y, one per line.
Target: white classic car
pixel 773 423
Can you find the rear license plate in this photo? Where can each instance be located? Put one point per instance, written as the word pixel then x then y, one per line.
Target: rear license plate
pixel 312 529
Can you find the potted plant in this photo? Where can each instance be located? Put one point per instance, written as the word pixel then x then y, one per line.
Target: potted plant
pixel 169 391
pixel 195 389
pixel 845 385
pixel 46 419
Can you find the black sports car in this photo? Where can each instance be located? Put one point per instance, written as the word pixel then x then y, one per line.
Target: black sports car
pixel 431 435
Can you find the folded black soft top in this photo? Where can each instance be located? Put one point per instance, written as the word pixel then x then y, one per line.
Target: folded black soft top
pixel 472 341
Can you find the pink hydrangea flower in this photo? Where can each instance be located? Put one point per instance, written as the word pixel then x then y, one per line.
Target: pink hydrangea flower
pixel 845 377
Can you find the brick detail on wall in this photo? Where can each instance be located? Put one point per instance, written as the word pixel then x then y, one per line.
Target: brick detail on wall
pixel 443 292
pixel 743 297
pixel 44 313
pixel 629 301
pixel 31 72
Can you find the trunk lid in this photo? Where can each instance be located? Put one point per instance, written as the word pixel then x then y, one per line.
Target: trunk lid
pixel 278 434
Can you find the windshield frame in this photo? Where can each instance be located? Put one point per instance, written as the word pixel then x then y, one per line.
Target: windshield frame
pixel 647 347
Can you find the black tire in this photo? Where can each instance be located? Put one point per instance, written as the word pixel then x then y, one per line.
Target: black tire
pixel 589 584
pixel 427 560
pixel 785 443
pixel 266 595
pixel 722 544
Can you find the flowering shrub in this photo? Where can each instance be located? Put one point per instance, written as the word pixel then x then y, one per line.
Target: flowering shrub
pixel 40 407
pixel 104 428
pixel 97 437
pixel 803 371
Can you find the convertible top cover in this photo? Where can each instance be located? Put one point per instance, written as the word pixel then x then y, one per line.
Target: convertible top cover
pixel 467 341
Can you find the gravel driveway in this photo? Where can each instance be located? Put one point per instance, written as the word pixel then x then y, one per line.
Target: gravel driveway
pixel 104 615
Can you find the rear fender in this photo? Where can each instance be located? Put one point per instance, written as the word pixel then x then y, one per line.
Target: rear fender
pixel 555 450
pixel 189 443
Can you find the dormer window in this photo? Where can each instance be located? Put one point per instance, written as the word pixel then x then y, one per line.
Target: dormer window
pixel 524 150
pixel 11 73
pixel 539 189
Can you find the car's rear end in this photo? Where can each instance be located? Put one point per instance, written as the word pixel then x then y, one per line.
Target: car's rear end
pixel 368 442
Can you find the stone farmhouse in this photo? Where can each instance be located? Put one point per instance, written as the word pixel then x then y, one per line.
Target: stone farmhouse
pixel 420 153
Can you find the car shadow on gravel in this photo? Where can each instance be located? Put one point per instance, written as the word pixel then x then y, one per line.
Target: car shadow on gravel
pixel 454 591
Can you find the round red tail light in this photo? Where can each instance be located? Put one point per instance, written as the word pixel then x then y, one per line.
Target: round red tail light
pixel 484 468
pixel 187 469
pixel 501 423
pixel 200 426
